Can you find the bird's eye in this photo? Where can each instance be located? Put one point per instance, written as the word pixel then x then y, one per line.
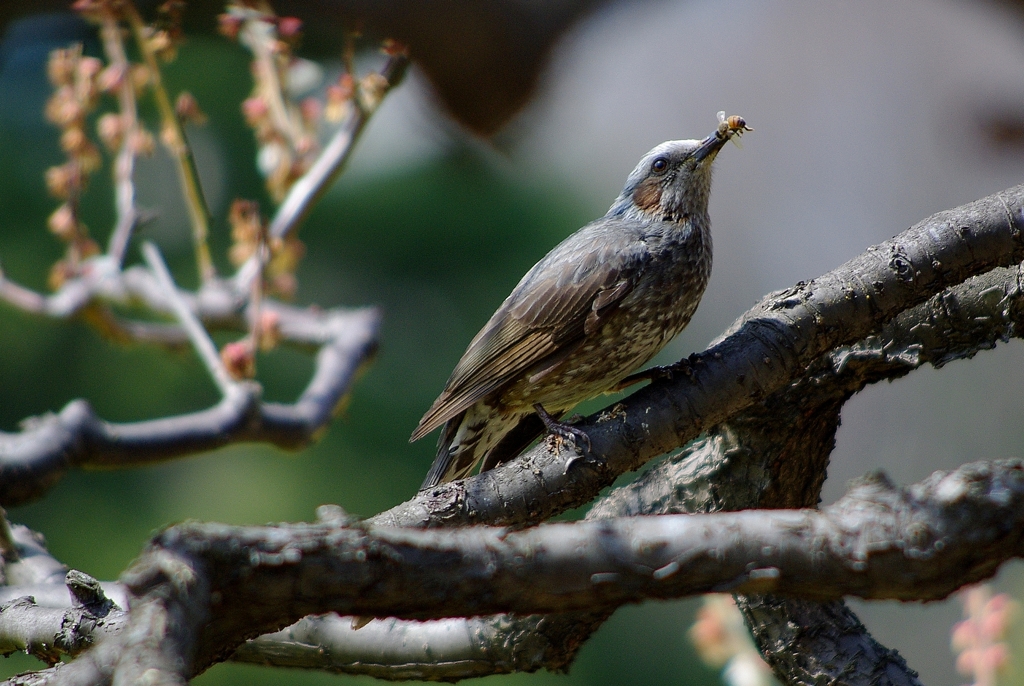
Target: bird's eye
pixel 659 165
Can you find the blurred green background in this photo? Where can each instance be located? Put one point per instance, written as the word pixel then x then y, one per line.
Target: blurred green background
pixel 435 245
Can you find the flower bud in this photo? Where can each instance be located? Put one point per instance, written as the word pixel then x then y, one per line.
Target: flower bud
pixel 63 109
pixel 73 141
pixel 142 142
pixel 254 110
pixel 187 108
pixel 112 78
pixel 63 223
pixel 239 359
pixel 268 330
pixel 110 129
pixel 289 27
pixel 63 179
pixel 312 111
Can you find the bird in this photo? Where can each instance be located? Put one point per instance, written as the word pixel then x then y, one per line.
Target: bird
pixel 591 312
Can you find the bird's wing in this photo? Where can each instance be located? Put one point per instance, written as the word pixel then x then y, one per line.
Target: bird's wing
pixel 563 297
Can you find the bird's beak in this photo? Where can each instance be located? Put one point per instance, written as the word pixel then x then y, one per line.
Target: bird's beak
pixel 709 147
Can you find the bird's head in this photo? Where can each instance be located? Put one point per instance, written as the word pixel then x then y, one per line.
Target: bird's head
pixel 673 181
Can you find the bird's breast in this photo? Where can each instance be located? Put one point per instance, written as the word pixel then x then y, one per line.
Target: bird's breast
pixel 668 285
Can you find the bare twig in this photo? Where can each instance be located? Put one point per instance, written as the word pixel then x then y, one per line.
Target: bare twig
pixel 173 137
pixel 196 333
pixel 311 186
pixel 124 164
pixel 21 297
pixel 258 35
pixel 8 546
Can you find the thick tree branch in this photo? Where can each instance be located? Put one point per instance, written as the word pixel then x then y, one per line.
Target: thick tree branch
pixel 773 454
pixel 808 642
pixel 766 349
pixel 848 357
pixel 200 589
pixel 955 324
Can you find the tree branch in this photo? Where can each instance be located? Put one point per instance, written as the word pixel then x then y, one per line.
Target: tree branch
pixel 305 192
pixel 36 458
pixel 200 589
pixel 766 349
pixel 773 454
pixel 398 650
pixel 47 633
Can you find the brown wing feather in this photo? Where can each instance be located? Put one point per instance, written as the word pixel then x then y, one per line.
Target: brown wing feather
pixel 545 314
pixel 458 398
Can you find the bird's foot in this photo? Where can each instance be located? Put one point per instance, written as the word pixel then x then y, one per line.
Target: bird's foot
pixel 684 366
pixel 558 432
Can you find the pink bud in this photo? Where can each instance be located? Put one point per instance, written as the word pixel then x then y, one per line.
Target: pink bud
pixel 239 360
pixel 289 27
pixel 254 109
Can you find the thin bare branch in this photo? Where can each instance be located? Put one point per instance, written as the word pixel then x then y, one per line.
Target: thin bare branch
pixel 21 297
pixel 259 35
pixel 8 546
pixel 36 458
pixel 197 334
pixel 124 164
pixel 305 192
pixel 173 136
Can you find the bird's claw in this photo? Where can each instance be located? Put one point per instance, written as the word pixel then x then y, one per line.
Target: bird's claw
pixel 560 431
pixel 683 366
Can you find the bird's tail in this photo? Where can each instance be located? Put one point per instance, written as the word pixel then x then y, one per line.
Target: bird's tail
pixel 476 437
pixel 447 451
